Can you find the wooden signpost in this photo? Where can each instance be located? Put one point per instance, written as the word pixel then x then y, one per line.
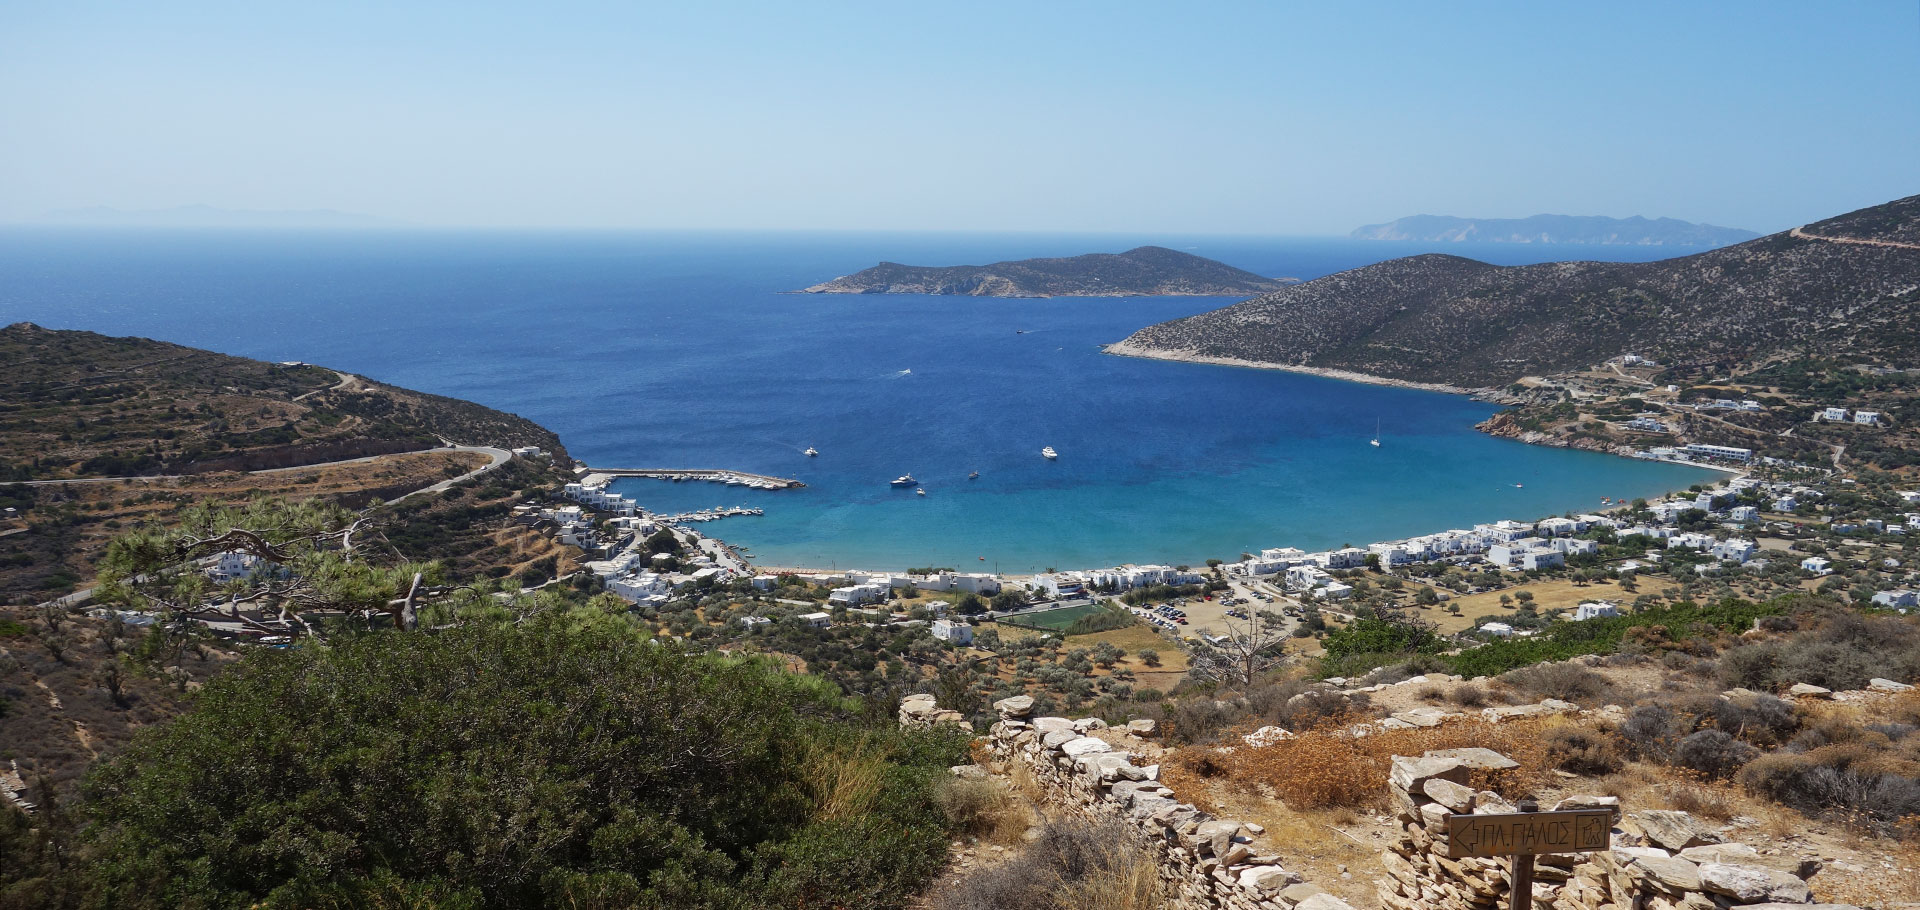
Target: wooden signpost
pixel 1523 835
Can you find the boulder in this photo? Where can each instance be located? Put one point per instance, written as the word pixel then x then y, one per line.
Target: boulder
pixel 1052 724
pixel 1487 802
pixel 1216 836
pixel 1143 728
pixel 1266 736
pixel 1753 883
pixel 1017 706
pixel 1672 874
pixel 1477 758
pixel 918 704
pixel 1420 717
pixel 1409 774
pixel 1585 801
pixel 1265 878
pixel 1456 797
pixel 1058 738
pixel 1674 830
pixel 1878 684
pixel 1294 894
pixel 1809 690
pixel 1085 745
pixel 1088 724
pixel 969 772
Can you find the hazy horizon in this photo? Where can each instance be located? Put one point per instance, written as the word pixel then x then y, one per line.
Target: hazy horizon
pixel 1235 119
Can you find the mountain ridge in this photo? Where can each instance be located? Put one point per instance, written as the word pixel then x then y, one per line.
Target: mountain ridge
pixel 1147 271
pixel 1444 319
pixel 1552 229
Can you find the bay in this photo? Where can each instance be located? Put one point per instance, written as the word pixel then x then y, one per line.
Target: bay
pixel 681 350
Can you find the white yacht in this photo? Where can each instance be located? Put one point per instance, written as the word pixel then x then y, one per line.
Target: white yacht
pixel 811 451
pixel 905 480
pixel 1049 454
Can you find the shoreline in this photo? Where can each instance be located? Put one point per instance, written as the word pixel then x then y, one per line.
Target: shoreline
pixel 1127 349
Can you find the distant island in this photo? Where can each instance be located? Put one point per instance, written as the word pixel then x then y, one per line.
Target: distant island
pixel 1591 229
pixel 1148 271
pixel 1847 287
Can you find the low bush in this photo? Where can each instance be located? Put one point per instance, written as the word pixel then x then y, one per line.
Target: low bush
pixel 981 808
pixel 1844 652
pixel 1578 750
pixel 1762 720
pixel 1467 695
pixel 1565 681
pixel 1713 753
pixel 1071 864
pixel 1651 732
pixel 1850 781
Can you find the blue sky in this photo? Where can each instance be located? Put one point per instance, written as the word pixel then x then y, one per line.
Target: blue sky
pixel 1260 118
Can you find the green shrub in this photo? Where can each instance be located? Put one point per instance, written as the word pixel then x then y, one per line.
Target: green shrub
pixel 1562 640
pixel 558 763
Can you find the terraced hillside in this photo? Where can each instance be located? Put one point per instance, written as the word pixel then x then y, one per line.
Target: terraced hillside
pixel 79 404
pixel 1445 319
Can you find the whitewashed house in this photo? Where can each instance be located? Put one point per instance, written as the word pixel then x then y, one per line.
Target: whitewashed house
pixel 1595 609
pixel 951 631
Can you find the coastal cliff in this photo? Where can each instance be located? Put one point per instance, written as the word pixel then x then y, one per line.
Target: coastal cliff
pixel 1147 271
pixel 1849 285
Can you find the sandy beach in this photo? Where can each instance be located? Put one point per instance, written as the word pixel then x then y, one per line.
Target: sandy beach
pixel 1125 349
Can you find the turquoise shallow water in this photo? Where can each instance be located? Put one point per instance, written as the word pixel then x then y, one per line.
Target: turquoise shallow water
pixel 650 350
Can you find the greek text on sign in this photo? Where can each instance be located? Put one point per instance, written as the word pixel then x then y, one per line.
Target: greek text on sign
pixel 1528 833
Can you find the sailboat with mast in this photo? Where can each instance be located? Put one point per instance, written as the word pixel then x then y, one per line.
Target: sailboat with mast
pixel 1375 441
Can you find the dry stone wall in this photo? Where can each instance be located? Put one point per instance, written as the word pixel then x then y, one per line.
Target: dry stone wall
pixel 1207 863
pixel 1658 860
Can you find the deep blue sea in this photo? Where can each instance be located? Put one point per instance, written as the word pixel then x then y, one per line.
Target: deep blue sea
pixel 680 350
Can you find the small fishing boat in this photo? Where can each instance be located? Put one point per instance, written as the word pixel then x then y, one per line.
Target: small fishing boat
pixel 1049 454
pixel 920 492
pixel 811 451
pixel 974 476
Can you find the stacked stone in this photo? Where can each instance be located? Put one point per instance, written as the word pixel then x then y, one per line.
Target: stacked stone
pixel 1207 863
pixel 921 712
pixel 1659 860
pixel 1425 791
pixel 1665 860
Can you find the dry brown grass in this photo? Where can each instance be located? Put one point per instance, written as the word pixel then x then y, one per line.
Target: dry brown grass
pixel 985 809
pixel 1329 767
pixel 1135 885
pixel 845 779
